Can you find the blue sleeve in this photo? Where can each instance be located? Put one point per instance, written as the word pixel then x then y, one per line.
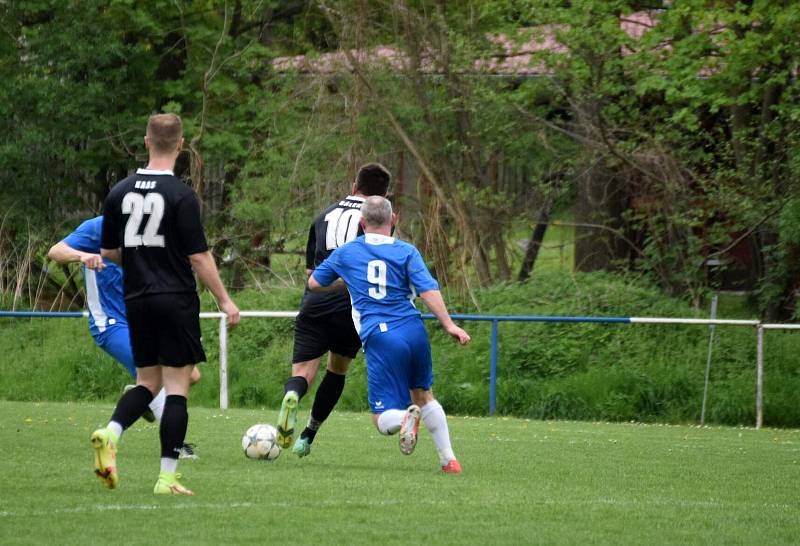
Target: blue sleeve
pixel 325 273
pixel 418 273
pixel 86 237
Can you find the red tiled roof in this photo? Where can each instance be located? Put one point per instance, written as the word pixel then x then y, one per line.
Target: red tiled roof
pixel 513 57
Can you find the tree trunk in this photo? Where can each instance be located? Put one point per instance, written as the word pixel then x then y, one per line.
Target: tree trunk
pixel 601 200
pixel 535 243
pixel 503 269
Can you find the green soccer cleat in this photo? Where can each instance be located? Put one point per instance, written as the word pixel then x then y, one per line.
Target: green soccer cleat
pixel 105 457
pixel 168 484
pixel 287 419
pixel 409 429
pixel 302 447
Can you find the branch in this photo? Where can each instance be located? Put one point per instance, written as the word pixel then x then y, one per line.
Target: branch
pixel 752 229
pixel 209 75
pixel 613 231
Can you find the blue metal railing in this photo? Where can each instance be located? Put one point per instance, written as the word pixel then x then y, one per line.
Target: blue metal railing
pixel 50 314
pixel 493 356
pixel 496 319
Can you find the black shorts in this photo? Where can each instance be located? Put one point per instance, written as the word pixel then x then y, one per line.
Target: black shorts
pixel 315 336
pixel 165 330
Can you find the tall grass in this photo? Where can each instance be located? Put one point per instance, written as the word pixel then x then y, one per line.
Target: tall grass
pixel 23 274
pixel 612 372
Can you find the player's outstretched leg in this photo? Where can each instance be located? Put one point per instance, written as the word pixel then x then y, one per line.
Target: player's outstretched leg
pixel 409 429
pixel 287 419
pixel 105 440
pixel 294 389
pixel 328 394
pixel 158 401
pixel 436 422
pixel 168 484
pixel 172 434
pixel 104 443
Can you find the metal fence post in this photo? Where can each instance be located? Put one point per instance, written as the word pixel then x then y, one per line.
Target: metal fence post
pixel 760 377
pixel 223 362
pixel 493 370
pixel 708 359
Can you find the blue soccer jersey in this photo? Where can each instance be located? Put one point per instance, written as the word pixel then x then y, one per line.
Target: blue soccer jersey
pixel 384 276
pixel 103 288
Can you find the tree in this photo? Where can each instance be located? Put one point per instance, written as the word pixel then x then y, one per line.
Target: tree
pixel 693 114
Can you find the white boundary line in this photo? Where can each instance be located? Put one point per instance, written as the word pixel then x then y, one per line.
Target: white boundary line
pixel 608 501
pixel 126 508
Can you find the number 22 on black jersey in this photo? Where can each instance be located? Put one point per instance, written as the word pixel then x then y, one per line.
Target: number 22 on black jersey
pixel 137 205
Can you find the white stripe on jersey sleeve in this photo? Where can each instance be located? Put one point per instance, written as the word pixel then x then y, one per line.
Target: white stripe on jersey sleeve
pixel 356 317
pixel 93 299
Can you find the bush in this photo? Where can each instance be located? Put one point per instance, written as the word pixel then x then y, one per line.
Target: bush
pixel 589 371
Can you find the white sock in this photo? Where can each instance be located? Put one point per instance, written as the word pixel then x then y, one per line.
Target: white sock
pixel 157 405
pixel 436 422
pixel 169 465
pixel 390 420
pixel 115 428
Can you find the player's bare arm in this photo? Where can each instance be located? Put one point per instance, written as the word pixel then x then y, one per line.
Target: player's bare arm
pixel 62 253
pixel 206 269
pixel 433 299
pixel 315 286
pixel 113 254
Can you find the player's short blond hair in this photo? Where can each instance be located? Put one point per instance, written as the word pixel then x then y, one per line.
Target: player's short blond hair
pixel 164 131
pixel 376 211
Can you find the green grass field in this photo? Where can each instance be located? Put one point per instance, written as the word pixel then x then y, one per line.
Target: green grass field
pixel 524 482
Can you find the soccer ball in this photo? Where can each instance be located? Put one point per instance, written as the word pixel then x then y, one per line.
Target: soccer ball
pixel 261 442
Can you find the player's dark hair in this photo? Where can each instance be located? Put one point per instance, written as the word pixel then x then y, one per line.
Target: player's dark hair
pixel 373 179
pixel 164 132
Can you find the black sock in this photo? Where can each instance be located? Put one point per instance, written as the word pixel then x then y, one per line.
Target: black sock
pixel 132 405
pixel 328 394
pixel 309 433
pixel 298 384
pixel 174 423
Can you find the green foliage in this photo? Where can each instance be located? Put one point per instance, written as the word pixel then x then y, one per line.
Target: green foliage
pixel 701 133
pixel 615 372
pixel 693 106
pixel 523 482
pixel 74 101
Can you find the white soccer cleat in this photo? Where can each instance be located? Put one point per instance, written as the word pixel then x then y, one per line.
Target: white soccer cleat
pixel 409 429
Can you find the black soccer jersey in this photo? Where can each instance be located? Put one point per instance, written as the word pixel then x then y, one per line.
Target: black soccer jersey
pixel 335 226
pixel 155 219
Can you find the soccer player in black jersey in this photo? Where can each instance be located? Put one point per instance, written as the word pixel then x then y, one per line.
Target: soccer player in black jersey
pixel 152 227
pixel 325 324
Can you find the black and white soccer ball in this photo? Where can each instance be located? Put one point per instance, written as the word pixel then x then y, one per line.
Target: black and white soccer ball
pixel 261 442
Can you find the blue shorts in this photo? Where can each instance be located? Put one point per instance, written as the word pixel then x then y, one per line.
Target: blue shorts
pixel 397 360
pixel 117 342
